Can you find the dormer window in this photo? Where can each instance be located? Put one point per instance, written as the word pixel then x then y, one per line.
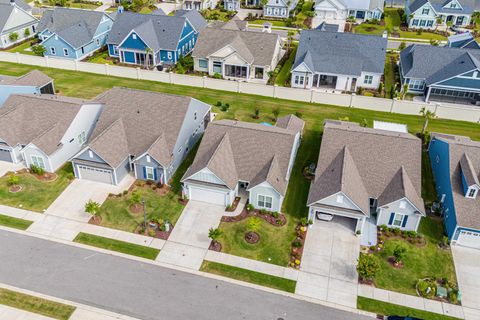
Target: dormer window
pixel 339 198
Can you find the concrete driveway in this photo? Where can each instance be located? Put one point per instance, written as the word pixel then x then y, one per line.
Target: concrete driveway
pixel 328 264
pixel 468 271
pixel 71 202
pixel 7 167
pixel 189 241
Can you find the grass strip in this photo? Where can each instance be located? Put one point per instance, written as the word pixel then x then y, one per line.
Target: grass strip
pixel 249 276
pixel 15 223
pixel 385 308
pixel 36 305
pixel 117 245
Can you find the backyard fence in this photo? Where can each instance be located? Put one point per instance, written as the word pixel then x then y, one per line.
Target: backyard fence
pixel 446 111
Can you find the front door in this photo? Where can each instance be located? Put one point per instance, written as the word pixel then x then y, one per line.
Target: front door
pixel 140 58
pixel 354 84
pixel 459 21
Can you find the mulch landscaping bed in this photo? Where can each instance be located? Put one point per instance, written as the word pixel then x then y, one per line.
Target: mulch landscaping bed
pixel 96 220
pixel 158 233
pixel 234 205
pixel 45 177
pixel 15 189
pixel 297 250
pixel 252 237
pixel 391 261
pixel 215 246
pixel 256 213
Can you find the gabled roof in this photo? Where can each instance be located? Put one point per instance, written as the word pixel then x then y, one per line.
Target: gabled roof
pixel 463 40
pixel 20 3
pixel 367 163
pixel 77 27
pixel 34 78
pixel 291 122
pixel 39 119
pixel 158 31
pixel 435 64
pixel 363 4
pixel 254 47
pixel 233 24
pixel 471 176
pixel 134 122
pixel 466 209
pixel 346 53
pixel 467 6
pixel 327 27
pixel 194 17
pixel 6 10
pixel 250 152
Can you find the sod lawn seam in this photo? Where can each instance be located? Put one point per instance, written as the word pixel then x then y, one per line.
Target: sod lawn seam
pixel 254 277
pixel 36 305
pixel 117 245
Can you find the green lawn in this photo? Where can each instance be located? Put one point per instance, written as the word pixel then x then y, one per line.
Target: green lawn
pixel 422 35
pixel 419 262
pixel 368 28
pixel 248 276
pixel 392 19
pixel 116 245
pixel 36 305
pixel 385 308
pixel 391 72
pixel 275 23
pixel 88 6
pixel 429 194
pixel 284 73
pixel 15 223
pixel 36 195
pixel 22 48
pixel 302 15
pixel 101 57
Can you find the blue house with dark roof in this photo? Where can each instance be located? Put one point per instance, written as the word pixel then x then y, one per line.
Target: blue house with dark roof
pixel 442 73
pixel 161 38
pixel 73 33
pixel 425 14
pixel 463 40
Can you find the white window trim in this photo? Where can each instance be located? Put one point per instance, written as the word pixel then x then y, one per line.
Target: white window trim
pixel 402 216
pixel 38 161
pixel 368 79
pixel 53 51
pixel 65 52
pixel 264 201
pixel 149 173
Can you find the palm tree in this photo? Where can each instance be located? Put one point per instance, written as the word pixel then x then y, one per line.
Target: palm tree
pixel 439 21
pixel 290 35
pixel 92 207
pixel 148 53
pixel 427 115
pixel 214 234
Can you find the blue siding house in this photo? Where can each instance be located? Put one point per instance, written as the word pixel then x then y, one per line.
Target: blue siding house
pixel 154 39
pixel 442 73
pixel 456 166
pixel 34 82
pixel 73 33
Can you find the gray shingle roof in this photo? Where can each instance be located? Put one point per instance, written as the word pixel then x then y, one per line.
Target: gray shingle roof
pixel 245 151
pixel 41 119
pixel 34 78
pixel 75 26
pixel 158 31
pixel 363 4
pixel 291 122
pixel 135 121
pixel 255 47
pixel 468 6
pixel 341 53
pixel 194 17
pixel 471 176
pixel 466 210
pixel 437 63
pixel 368 163
pixel 20 3
pixel 463 40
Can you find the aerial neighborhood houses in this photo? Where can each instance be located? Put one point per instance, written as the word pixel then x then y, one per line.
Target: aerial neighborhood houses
pixel 235 54
pixel 279 8
pixel 441 73
pixel 348 62
pixel 154 39
pixel 73 34
pixel 16 23
pixel 428 14
pixel 463 40
pixel 338 11
pixel 34 82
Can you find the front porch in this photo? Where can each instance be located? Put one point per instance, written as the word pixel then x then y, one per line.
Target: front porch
pixel 452 96
pixel 137 57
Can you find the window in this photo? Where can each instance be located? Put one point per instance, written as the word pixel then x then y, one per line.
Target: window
pixel 203 63
pixel 149 173
pixel 169 55
pixel 195 115
pixel 83 50
pixel 179 150
pixel 134 36
pixel 453 5
pixel 264 201
pixel 148 158
pixel 90 153
pixel 397 220
pixel 416 85
pixel 425 11
pixel 235 71
pixel 82 137
pixel 97 41
pixel 299 80
pixel 368 79
pixel 65 52
pixel 403 204
pixel 471 193
pixel 339 198
pixel 115 50
pixel 415 22
pixel 217 67
pixel 430 23
pixel 52 51
pixel 38 161
pixel 423 23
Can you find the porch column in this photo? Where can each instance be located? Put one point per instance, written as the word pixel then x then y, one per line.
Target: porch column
pixel 428 94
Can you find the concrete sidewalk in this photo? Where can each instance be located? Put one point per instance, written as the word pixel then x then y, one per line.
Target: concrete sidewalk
pixel 8 313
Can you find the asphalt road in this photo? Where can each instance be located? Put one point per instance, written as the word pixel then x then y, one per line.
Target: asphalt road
pixel 140 290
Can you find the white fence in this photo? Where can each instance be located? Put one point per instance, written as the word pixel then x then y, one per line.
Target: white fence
pixel 453 112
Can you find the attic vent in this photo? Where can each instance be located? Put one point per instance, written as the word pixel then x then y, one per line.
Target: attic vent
pixel 138 111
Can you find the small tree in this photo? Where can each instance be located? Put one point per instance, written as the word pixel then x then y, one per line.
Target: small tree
pixel 367 266
pixel 427 116
pixel 92 207
pixel 402 45
pixel 214 234
pixel 380 88
pixel 290 35
pixel 399 253
pixel 13 180
pixel 256 113
pixel 26 33
pixel 438 22
pixel 253 224
pixel 275 112
pixel 135 198
pixel 39 50
pixel 13 36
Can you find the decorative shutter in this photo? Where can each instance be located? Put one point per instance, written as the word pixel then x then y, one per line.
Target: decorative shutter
pixel 392 216
pixel 155 174
pixel 404 222
pixel 144 173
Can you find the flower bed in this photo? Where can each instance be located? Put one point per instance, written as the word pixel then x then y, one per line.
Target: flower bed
pixel 233 206
pixel 274 218
pixel 297 246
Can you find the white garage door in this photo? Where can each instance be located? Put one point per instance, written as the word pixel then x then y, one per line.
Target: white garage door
pixel 469 239
pixel 5 155
pixel 95 174
pixel 208 195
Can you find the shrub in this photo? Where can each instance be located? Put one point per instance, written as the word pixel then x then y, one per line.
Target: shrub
pixel 135 198
pixel 298 114
pixel 13 36
pixel 276 112
pixel 274 214
pixel 263 211
pixel 26 32
pixel 13 180
pixel 256 112
pixel 402 46
pixel 453 297
pixel 304 221
pixel 396 231
pixel 217 75
pixel 214 233
pixel 70 176
pixel 253 224
pixel 125 192
pixel 383 227
pixel 372 248
pixel 151 232
pixel 399 253
pixel 92 207
pixel 250 207
pixel 297 243
pixel 37 170
pixel 219 103
pixel 367 266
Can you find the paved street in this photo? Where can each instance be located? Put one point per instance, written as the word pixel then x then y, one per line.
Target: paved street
pixel 140 290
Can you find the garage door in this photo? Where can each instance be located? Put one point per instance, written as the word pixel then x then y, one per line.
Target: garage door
pixel 469 239
pixel 208 195
pixel 5 155
pixel 95 174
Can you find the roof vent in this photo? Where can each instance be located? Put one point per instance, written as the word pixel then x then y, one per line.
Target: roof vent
pixel 138 111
